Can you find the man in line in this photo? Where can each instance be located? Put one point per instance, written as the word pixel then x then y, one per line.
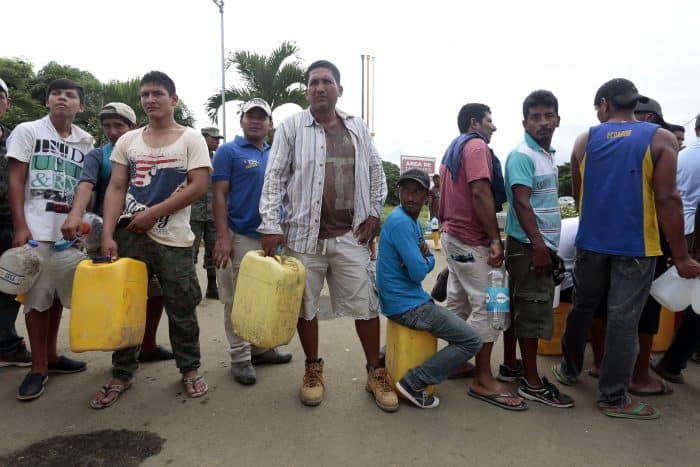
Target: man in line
pixel 533 226
pixel 616 168
pixel 687 338
pixel 116 119
pixel 403 263
pixel 642 383
pixel 471 238
pixel 239 171
pixel 157 172
pixel 202 219
pixel 679 133
pixel 326 174
pixel 45 160
pixel 13 351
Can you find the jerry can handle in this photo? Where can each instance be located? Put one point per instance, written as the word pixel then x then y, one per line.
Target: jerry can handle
pixel 102 259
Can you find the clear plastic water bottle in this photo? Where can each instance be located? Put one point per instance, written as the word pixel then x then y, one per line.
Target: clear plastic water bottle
pixel 498 300
pixel 92 231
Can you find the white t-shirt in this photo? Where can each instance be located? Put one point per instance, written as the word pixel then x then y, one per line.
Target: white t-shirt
pixel 567 249
pixel 156 173
pixel 55 164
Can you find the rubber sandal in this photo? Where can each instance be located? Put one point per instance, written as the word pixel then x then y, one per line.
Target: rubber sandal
pixel 493 399
pixel 562 378
pixel 662 391
pixel 193 382
pixel 593 374
pixel 118 389
pixel 634 414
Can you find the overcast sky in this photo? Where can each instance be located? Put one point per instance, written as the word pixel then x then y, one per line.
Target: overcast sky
pixel 431 57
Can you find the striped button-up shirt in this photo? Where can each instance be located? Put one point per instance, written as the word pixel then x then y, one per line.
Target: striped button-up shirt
pixel 295 174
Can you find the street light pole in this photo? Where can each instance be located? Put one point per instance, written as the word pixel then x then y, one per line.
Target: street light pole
pixel 220 4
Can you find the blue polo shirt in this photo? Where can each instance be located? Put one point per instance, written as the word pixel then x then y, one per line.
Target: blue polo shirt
pixel 242 164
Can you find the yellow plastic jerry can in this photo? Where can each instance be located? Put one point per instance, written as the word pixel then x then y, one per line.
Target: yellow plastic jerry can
pixel 267 299
pixel 108 311
pixel 407 348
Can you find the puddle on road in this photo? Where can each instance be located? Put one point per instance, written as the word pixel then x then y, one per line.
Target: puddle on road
pixel 118 448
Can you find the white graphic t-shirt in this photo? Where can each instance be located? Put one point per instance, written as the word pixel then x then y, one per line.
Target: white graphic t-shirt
pixel 54 170
pixel 155 174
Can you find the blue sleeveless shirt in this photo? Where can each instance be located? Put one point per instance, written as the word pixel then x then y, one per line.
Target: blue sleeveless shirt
pixel 618 215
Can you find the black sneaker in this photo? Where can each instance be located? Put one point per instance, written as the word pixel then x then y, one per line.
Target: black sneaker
pixel 547 394
pixel 508 375
pixel 419 398
pixel 20 357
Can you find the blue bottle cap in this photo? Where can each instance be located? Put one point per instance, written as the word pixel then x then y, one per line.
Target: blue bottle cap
pixel 32 243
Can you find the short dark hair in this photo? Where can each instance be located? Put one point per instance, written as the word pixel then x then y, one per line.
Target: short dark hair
pixel 621 92
pixel 674 127
pixel 322 64
pixel 65 83
pixel 159 78
pixel 469 111
pixel 697 122
pixel 540 97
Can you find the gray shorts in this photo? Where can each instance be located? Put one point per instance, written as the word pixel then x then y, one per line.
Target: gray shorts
pixel 345 265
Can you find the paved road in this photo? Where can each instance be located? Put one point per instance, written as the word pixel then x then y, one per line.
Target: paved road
pixel 266 425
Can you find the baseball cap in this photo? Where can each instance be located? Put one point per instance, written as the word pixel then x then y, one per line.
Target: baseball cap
pixel 654 107
pixel 120 110
pixel 257 102
pixel 212 131
pixel 3 87
pixel 621 91
pixel 417 175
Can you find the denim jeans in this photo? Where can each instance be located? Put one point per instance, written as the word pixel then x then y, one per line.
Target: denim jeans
pixel 685 342
pixel 625 282
pixel 463 342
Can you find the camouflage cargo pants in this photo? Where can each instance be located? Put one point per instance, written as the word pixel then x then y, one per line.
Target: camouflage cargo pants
pixel 206 230
pixel 181 294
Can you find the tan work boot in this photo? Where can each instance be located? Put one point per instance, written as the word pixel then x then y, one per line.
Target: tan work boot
pixel 384 394
pixel 312 389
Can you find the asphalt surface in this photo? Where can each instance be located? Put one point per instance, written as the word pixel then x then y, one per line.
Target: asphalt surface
pixel 266 425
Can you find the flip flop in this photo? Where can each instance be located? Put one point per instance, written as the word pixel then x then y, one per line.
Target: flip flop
pixel 493 399
pixel 193 382
pixel 662 391
pixel 593 374
pixel 634 413
pixel 118 389
pixel 665 374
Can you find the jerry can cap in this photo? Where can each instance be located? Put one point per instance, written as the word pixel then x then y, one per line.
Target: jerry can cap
pixel 102 259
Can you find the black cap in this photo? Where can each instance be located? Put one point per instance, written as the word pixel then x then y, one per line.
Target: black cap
pixel 417 175
pixel 697 122
pixel 621 92
pixel 653 107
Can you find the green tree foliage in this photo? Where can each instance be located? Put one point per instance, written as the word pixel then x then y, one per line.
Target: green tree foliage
pixel 19 76
pixel 28 93
pixel 565 187
pixel 278 78
pixel 392 173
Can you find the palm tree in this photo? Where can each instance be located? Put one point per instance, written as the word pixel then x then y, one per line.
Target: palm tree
pixel 278 78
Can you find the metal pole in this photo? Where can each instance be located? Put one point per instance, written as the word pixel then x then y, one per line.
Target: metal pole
pixel 220 4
